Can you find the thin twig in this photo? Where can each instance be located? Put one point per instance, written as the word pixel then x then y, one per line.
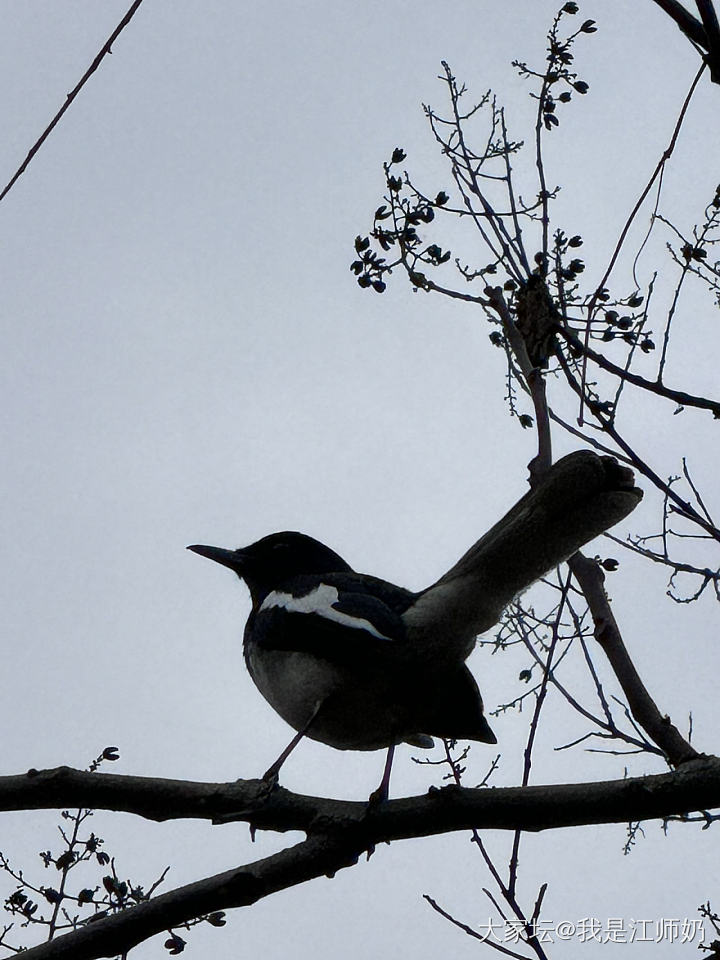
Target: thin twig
pixel 653 386
pixel 667 153
pixel 106 49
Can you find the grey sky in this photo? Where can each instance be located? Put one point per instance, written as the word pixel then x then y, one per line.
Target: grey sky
pixel 187 358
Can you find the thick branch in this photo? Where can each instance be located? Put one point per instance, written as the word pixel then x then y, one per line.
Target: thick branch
pixel 710 23
pixel 235 888
pixel 690 25
pixel 703 32
pixel 694 786
pixel 644 709
pixel 344 829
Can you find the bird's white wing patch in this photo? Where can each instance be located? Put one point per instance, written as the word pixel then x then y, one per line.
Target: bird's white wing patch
pixel 320 602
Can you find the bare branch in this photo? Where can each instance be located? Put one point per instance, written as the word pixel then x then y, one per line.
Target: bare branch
pixel 106 49
pixel 703 33
pixel 690 25
pixel 239 887
pixel 470 931
pixel 653 386
pixel 340 830
pixel 694 786
pixel 667 153
pixel 661 731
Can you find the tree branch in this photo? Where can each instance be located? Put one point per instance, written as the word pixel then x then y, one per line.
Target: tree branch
pixel 696 785
pixel 704 33
pixel 239 887
pixel 340 830
pixel 607 633
pixel 653 386
pixel 690 25
pixel 712 32
pixel 534 379
pixel 106 49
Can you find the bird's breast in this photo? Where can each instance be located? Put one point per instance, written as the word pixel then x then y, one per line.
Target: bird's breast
pixel 291 681
pixel 357 711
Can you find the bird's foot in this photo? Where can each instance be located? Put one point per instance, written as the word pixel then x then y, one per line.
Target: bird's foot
pixel 271 778
pixel 378 796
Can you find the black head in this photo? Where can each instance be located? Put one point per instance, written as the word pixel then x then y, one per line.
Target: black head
pixel 277 558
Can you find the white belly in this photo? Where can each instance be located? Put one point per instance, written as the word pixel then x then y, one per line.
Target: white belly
pixel 293 683
pixel 352 716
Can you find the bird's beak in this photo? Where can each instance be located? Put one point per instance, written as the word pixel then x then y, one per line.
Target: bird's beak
pixel 228 558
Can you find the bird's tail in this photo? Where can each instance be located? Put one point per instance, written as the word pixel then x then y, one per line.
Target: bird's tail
pixel 580 497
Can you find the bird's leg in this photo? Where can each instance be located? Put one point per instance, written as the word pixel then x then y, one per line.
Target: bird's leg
pixel 272 772
pixel 381 794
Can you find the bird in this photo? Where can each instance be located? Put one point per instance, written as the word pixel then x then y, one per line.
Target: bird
pixel 358 663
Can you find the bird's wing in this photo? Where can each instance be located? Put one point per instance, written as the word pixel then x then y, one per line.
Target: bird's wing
pixel 336 617
pixel 580 497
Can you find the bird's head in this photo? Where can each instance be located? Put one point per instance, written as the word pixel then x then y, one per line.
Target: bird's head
pixel 274 560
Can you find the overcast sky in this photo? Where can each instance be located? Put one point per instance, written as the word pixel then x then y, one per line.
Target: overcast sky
pixel 186 358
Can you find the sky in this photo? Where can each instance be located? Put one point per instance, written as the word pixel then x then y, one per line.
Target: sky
pixel 187 358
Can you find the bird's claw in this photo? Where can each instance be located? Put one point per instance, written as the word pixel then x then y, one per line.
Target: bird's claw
pixel 271 779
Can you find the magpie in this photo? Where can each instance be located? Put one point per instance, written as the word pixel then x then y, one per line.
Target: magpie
pixel 358 663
